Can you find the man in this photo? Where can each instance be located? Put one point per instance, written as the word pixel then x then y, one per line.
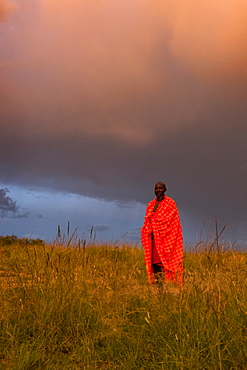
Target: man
pixel 162 238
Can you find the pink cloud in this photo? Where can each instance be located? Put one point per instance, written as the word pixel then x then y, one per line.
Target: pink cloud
pixel 6 8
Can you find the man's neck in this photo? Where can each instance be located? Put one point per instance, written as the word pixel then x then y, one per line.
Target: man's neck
pixel 159 199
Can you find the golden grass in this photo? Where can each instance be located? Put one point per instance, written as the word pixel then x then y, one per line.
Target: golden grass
pixel 92 308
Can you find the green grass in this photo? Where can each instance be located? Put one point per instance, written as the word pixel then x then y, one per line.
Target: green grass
pixel 92 308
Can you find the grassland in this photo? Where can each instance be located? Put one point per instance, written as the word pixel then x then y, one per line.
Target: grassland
pixel 92 308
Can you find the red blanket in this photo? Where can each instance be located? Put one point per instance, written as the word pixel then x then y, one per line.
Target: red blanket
pixel 165 226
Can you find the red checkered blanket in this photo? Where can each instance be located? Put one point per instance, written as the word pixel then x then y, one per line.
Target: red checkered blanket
pixel 164 225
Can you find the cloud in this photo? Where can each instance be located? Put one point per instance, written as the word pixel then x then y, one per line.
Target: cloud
pixel 125 204
pixel 97 83
pixel 104 100
pixel 216 34
pixel 7 204
pixel 39 215
pixel 6 8
pixel 21 215
pixel 8 207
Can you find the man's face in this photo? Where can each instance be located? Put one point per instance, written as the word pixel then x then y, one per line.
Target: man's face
pixel 159 190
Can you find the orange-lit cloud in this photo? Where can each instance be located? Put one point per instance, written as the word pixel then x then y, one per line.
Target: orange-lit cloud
pixel 210 37
pixel 104 61
pixel 6 8
pixel 138 88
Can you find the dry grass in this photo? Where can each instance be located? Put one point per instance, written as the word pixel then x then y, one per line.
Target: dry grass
pixel 92 308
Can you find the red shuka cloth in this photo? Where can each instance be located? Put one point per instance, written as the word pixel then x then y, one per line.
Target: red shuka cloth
pixel 164 225
pixel 155 255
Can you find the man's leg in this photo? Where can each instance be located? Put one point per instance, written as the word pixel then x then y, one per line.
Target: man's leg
pixel 158 273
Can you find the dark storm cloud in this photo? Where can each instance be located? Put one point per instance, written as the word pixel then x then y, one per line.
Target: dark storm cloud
pixel 125 104
pixel 6 203
pixel 204 167
pixel 8 207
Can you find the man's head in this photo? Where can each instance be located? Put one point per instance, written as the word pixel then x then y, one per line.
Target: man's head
pixel 160 189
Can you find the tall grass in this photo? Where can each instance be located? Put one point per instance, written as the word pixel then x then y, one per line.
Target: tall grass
pixel 92 308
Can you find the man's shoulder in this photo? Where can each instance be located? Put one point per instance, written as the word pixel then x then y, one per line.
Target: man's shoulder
pixel 170 203
pixel 169 200
pixel 152 202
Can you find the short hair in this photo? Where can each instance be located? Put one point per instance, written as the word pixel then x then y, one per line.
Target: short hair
pixel 164 185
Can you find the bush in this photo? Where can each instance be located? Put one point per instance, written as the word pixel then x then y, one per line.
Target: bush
pixel 13 239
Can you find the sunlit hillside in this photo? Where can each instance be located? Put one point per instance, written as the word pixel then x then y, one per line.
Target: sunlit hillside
pixel 90 307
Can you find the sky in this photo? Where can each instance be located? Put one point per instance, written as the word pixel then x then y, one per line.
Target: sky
pixel 101 99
